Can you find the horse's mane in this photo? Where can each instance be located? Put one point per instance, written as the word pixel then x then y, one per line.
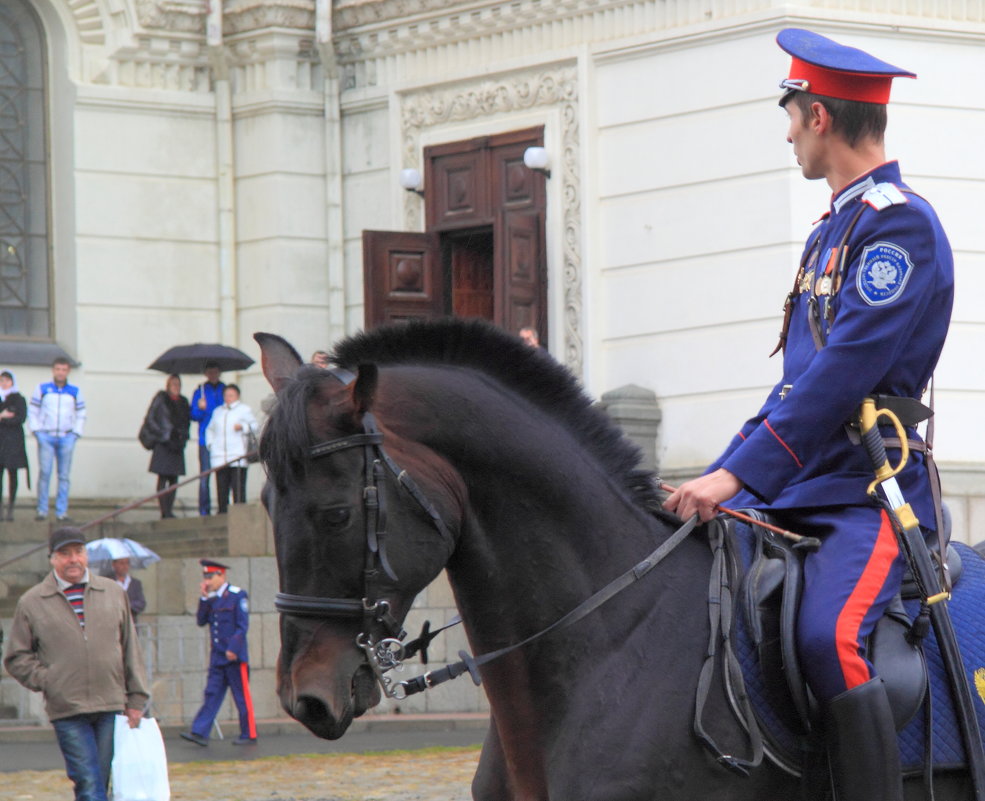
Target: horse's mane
pixel 530 372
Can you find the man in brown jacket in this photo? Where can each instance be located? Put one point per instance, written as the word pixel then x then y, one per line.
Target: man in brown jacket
pixel 72 639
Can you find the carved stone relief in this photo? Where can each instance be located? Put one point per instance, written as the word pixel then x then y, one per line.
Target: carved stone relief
pixel 556 88
pixel 239 16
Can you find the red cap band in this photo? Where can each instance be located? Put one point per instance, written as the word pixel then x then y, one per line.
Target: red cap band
pixel 865 88
pixel 211 569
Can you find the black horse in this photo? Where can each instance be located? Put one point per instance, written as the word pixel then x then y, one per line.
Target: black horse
pixel 532 500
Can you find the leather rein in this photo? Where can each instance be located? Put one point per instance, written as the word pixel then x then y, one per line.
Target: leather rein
pixel 389 651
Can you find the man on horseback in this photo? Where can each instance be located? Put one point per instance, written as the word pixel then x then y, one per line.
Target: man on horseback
pixel 867 316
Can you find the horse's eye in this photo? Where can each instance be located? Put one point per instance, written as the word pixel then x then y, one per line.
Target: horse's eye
pixel 335 516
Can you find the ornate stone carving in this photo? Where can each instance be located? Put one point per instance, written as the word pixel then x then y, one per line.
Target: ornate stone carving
pixel 556 88
pixel 175 16
pixel 239 16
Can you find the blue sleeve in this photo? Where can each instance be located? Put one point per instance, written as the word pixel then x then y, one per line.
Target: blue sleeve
pixel 241 617
pixel 873 341
pixel 197 414
pixel 204 607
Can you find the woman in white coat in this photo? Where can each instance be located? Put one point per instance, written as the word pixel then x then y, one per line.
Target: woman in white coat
pixel 226 439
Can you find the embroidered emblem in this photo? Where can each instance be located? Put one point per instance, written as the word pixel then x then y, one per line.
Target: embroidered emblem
pixel 244 605
pixel 980 683
pixel 883 274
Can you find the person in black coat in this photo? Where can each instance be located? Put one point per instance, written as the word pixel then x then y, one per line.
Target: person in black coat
pixel 167 422
pixel 13 455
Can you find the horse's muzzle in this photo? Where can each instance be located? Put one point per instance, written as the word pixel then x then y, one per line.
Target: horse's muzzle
pixel 311 708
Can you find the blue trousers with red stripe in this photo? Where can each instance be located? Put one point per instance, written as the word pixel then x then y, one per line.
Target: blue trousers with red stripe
pixel 235 677
pixel 848 583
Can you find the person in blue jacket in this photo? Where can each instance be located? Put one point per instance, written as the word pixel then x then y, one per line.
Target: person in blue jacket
pixel 868 315
pixel 205 400
pixel 226 611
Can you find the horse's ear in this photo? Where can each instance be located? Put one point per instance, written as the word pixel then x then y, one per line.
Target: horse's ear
pixel 364 390
pixel 279 360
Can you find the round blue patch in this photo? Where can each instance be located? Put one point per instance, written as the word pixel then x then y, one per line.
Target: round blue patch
pixel 883 274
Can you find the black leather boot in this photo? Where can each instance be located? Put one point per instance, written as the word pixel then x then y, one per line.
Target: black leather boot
pixel 862 748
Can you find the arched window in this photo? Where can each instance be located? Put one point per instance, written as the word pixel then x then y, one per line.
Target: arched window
pixel 25 290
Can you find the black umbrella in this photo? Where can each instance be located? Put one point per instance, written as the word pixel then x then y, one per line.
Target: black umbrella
pixel 192 358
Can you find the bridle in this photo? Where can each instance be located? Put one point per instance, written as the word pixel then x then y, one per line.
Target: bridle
pixel 388 650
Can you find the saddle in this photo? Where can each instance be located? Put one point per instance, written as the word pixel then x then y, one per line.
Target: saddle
pixel 765 573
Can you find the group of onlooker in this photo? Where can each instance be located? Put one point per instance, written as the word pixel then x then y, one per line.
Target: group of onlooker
pixel 56 416
pixel 226 431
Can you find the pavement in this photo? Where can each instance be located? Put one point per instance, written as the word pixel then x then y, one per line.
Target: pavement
pixel 34 747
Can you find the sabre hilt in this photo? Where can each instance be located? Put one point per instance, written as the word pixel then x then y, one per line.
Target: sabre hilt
pixel 869 416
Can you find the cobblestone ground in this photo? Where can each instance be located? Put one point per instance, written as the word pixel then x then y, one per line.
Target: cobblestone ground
pixel 439 774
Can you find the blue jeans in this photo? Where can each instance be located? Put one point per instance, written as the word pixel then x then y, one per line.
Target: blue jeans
pixel 51 447
pixel 87 745
pixel 204 463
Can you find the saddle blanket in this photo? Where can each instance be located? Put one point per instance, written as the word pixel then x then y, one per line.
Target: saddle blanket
pixel 967 608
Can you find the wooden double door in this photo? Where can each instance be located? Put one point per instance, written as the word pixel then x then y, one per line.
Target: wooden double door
pixel 482 253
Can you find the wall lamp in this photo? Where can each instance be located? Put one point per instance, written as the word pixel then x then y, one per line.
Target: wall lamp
pixel 411 180
pixel 536 159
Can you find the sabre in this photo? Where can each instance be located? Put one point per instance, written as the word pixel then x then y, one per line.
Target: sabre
pixel 908 527
pixel 801 542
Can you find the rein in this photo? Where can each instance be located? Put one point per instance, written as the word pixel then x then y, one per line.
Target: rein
pixel 388 652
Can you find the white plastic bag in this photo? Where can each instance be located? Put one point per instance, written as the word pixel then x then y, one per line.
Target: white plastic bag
pixel 140 764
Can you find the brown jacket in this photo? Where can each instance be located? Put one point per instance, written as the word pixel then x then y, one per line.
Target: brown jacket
pixel 79 670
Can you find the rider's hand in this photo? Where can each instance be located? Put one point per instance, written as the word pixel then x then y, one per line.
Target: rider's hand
pixel 702 495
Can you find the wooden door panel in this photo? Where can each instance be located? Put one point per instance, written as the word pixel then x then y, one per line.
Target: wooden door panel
pixel 402 277
pixel 472 275
pixel 520 272
pixel 515 186
pixel 457 191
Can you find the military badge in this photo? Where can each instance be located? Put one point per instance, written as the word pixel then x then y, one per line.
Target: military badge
pixel 806 279
pixel 883 273
pixel 823 285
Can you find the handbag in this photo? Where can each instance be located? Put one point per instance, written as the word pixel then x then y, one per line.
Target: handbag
pixel 140 764
pixel 146 435
pixel 252 444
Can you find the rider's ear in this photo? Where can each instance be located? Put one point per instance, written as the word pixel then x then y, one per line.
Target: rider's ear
pixel 279 360
pixel 364 390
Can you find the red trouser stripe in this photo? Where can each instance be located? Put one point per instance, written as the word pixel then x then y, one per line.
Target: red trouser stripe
pixel 884 553
pixel 244 674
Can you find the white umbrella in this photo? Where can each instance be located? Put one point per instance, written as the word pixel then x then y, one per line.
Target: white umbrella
pixel 103 551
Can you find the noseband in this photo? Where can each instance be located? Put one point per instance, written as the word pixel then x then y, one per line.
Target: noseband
pixel 386 652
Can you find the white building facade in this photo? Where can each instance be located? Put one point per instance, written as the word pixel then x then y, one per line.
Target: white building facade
pixel 184 170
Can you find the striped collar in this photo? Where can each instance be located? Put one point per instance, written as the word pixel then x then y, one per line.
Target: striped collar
pixel 852 192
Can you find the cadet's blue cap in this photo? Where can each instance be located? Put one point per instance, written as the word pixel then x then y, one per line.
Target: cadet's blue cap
pixel 823 67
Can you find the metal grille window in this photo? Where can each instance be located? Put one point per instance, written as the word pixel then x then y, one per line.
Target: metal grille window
pixel 24 264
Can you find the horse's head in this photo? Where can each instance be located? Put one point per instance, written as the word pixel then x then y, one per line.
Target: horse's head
pixel 356 538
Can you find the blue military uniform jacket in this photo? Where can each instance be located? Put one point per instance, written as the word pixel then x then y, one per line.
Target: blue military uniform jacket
pixel 228 618
pixel 887 326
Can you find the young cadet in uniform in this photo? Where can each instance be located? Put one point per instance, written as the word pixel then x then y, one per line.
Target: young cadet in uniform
pixel 868 314
pixel 226 610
